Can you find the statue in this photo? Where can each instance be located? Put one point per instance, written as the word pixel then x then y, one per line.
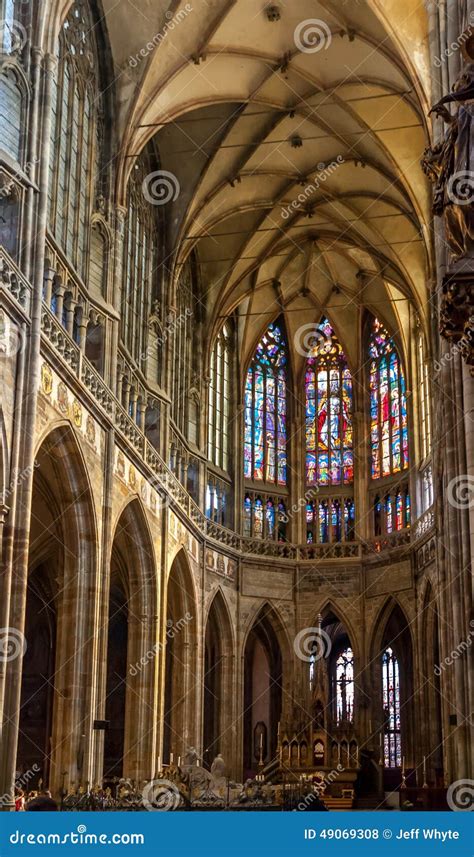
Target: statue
pixel 190 758
pixel 218 768
pixel 449 164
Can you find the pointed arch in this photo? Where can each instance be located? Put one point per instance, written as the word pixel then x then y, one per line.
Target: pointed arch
pixel 266 663
pixel 391 666
pixel 327 609
pixel 181 725
pixel 63 569
pixel 131 680
pixel 265 408
pixel 219 664
pixel 388 404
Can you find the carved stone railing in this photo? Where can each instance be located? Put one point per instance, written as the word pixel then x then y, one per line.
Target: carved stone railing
pixel 223 535
pixel 60 339
pixel 387 542
pixel 13 281
pixel 335 550
pixel 264 547
pixel 129 429
pixel 423 524
pixel 97 387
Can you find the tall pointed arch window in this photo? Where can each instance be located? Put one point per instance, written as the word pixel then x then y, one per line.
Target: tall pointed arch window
pixel 76 135
pixel 388 407
pixel 344 680
pixel 391 707
pixel 328 388
pixel 266 409
pixel 219 399
pixel 140 248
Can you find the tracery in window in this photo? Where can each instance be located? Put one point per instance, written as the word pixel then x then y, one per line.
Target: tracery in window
pixel 265 410
pixel 219 399
pixel 391 706
pixel 76 139
pixel 140 261
pixel 344 686
pixel 388 408
pixel 328 388
pixel 330 520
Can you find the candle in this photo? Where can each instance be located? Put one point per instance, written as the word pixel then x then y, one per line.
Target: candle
pixel 179 761
pixel 159 763
pixel 171 758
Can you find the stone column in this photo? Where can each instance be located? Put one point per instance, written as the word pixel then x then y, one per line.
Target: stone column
pixel 20 528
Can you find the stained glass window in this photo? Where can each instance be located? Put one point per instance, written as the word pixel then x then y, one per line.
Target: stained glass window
pixel 391 706
pixel 219 397
pixel 265 410
pixel 388 407
pixel 388 514
pixel 345 686
pixel 247 516
pixel 328 387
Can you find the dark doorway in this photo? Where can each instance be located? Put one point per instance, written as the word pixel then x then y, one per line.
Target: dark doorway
pixel 37 688
pixel 262 694
pixel 116 683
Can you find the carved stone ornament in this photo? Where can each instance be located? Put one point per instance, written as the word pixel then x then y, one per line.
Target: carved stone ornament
pixel 450 166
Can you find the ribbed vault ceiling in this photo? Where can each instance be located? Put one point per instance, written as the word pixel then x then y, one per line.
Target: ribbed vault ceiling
pixel 246 120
